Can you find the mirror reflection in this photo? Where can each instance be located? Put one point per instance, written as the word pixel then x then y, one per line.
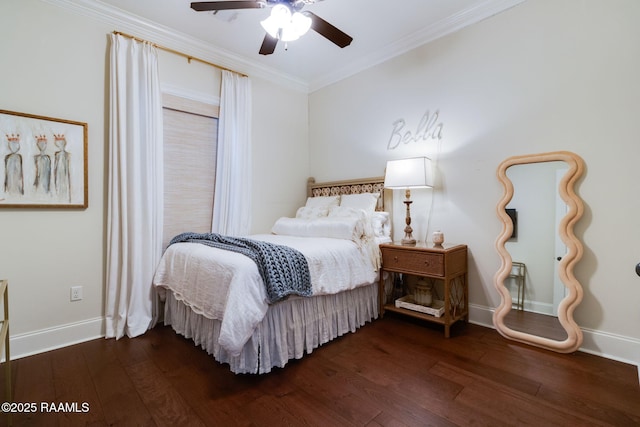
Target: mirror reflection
pixel 536 248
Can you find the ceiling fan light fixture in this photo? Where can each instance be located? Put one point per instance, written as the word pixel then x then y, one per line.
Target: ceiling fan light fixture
pixel 279 18
pixel 284 25
pixel 270 27
pixel 301 23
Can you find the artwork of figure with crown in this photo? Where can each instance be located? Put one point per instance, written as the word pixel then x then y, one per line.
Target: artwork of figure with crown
pixel 62 168
pixel 42 160
pixel 13 178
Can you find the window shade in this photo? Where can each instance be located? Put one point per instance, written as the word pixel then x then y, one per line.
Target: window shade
pixel 190 135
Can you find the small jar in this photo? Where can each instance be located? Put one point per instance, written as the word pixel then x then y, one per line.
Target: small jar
pixel 438 237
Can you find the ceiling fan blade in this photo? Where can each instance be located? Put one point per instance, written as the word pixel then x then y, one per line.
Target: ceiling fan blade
pixel 203 6
pixel 328 31
pixel 268 45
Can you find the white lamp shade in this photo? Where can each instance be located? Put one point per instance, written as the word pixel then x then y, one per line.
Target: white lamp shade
pixel 279 17
pixel 301 23
pixel 283 25
pixel 270 26
pixel 409 173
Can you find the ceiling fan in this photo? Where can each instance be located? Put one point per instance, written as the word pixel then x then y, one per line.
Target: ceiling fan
pixel 286 23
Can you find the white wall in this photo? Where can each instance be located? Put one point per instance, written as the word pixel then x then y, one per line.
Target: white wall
pixel 55 65
pixel 542 76
pixel 280 154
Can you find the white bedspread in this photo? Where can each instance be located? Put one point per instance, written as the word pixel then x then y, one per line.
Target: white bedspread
pixel 226 285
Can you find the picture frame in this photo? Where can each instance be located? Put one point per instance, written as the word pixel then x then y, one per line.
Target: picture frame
pixel 43 162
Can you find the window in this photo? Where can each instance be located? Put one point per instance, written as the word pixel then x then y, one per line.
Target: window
pixel 190 141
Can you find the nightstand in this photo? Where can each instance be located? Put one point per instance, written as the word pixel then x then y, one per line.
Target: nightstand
pixel 446 264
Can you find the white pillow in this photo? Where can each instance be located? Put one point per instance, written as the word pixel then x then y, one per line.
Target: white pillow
pixel 365 201
pixel 380 224
pixel 311 213
pixel 338 228
pixel 347 212
pixel 325 202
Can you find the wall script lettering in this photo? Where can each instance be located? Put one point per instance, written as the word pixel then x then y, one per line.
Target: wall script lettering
pixel 428 128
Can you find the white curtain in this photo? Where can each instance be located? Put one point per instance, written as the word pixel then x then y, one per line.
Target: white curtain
pixel 232 199
pixel 135 203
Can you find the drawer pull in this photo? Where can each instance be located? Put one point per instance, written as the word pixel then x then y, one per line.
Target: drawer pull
pixel 395 258
pixel 426 263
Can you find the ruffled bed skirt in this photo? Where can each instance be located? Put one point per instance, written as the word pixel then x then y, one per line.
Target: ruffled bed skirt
pixel 289 329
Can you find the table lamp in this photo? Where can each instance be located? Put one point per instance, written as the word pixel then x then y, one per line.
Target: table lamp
pixel 407 174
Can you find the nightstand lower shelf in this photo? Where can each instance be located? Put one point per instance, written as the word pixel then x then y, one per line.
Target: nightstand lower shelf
pixel 428 317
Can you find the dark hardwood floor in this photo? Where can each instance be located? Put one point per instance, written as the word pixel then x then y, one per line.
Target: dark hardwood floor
pixel 392 372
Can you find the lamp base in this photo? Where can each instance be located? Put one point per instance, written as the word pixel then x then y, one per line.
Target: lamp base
pixel 408 231
pixel 408 242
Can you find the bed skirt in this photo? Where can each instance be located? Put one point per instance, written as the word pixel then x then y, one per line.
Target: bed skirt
pixel 289 329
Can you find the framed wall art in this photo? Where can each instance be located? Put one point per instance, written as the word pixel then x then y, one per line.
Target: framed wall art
pixel 43 162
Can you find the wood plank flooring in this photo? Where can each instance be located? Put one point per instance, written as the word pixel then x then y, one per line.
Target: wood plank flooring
pixel 393 372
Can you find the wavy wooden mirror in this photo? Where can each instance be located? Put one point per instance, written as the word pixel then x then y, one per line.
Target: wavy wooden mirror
pixel 512 323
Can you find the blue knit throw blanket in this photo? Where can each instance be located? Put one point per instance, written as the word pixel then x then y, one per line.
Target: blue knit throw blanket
pixel 284 270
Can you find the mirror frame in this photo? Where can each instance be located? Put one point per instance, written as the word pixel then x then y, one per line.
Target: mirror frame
pixel 575 209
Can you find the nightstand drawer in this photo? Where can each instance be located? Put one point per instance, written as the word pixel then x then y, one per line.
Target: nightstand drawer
pixel 413 261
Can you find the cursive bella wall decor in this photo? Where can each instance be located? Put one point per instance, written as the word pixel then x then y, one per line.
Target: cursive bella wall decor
pixel 429 128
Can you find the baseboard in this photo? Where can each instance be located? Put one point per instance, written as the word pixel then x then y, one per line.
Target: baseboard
pixel 612 346
pixel 23 345
pixel 481 315
pixel 603 344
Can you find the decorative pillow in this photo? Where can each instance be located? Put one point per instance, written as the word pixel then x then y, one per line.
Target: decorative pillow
pixel 325 202
pixel 365 201
pixel 311 213
pixel 347 212
pixel 380 224
pixel 334 227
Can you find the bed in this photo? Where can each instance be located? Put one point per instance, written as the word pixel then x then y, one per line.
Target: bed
pixel 218 298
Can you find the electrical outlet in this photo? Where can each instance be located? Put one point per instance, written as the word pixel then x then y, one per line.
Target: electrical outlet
pixel 76 293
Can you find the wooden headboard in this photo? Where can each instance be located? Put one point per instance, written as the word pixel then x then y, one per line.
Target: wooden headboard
pixel 352 186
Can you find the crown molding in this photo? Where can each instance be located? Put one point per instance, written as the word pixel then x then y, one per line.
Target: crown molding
pixel 170 38
pixel 428 34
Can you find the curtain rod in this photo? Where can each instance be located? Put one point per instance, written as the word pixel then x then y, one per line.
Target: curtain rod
pixel 189 57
